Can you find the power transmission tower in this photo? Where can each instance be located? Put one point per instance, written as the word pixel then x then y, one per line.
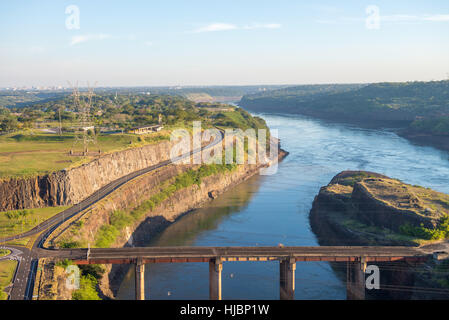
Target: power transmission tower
pixel 84 128
pixel 60 124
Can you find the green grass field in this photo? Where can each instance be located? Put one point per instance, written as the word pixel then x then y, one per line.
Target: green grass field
pixel 28 154
pixel 15 222
pixel 7 269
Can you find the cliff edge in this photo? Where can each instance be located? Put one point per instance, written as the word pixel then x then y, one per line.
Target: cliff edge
pixel 367 208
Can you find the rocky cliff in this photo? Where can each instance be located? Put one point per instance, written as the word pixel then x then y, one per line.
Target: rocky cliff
pixel 71 186
pixel 365 208
pixel 83 229
pixel 373 207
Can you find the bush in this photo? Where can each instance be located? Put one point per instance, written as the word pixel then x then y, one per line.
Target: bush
pixel 119 219
pixel 440 232
pixel 70 244
pixel 87 290
pixel 95 270
pixel 106 236
pixel 64 263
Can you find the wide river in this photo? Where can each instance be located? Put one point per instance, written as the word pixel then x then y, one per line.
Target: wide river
pixel 268 210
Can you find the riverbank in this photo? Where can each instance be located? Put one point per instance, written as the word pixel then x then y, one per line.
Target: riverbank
pixel 425 139
pixel 418 110
pixel 86 229
pixel 179 205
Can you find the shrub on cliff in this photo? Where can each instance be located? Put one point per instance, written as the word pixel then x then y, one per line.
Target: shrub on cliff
pixel 119 219
pixel 106 236
pixel 440 232
pixel 87 290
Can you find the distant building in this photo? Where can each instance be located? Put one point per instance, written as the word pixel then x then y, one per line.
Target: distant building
pixel 146 129
pixel 88 128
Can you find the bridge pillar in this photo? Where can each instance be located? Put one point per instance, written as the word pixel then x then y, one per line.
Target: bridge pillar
pixel 140 280
pixel 287 279
pixel 355 283
pixel 215 268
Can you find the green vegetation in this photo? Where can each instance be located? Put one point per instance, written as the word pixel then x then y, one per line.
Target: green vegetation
pixel 119 219
pixel 64 263
pixel 90 274
pixel 439 233
pixel 4 252
pixel 402 102
pixel 27 153
pixel 239 119
pixel 18 221
pixel 434 126
pixel 20 98
pixel 352 179
pixel 7 270
pixel 414 209
pixel 30 143
pixel 87 290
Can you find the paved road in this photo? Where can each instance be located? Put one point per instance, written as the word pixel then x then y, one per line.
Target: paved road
pixel 26 271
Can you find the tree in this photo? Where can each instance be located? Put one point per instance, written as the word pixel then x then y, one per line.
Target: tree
pixel 9 125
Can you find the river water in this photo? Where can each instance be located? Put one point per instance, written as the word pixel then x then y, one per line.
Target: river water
pixel 268 210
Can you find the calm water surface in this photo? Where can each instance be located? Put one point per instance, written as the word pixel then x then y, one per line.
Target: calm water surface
pixel 268 210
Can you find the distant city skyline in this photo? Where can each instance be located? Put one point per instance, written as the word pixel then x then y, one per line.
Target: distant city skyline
pixel 203 43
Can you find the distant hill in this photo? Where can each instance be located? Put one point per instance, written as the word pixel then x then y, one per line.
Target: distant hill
pixel 383 102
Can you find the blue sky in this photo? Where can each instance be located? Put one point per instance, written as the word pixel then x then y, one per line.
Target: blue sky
pixel 128 43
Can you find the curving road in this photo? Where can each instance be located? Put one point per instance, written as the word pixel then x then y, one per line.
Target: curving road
pixel 28 259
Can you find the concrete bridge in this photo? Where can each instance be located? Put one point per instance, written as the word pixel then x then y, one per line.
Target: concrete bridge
pixel 356 258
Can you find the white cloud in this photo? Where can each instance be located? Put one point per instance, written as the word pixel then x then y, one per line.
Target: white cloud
pixel 148 43
pixel 89 37
pixel 227 26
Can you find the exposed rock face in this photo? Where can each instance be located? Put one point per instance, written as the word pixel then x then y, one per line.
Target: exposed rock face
pixel 380 205
pixel 378 213
pixel 142 188
pixel 376 200
pixel 67 187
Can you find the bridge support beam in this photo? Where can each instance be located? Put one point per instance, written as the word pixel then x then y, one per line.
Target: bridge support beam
pixel 215 268
pixel 140 280
pixel 287 279
pixel 355 282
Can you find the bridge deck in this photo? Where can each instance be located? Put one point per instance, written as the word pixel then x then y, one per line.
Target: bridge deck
pixel 205 254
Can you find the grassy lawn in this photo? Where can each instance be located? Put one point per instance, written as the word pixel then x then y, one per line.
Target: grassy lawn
pixel 23 220
pixel 31 153
pixel 4 252
pixel 7 269
pixel 23 242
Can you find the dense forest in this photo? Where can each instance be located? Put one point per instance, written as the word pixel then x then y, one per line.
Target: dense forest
pixel 125 112
pixel 21 98
pixel 420 106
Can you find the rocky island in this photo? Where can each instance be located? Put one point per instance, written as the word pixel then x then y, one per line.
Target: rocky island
pixel 367 208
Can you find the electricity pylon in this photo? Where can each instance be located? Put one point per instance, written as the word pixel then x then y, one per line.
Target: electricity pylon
pixel 82 105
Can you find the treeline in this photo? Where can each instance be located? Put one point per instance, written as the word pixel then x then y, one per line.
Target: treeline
pixel 125 112
pixel 425 103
